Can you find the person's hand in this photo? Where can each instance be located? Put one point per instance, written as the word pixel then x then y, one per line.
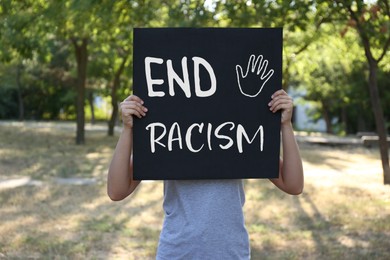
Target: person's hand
pixel 132 106
pixel 282 101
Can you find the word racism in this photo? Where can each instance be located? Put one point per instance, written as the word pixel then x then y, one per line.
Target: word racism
pixel 175 133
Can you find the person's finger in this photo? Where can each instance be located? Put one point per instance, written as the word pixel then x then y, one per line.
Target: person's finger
pixel 283 106
pixel 279 97
pixel 127 102
pixel 128 112
pixel 279 100
pixel 141 110
pixel 133 104
pixel 278 93
pixel 286 105
pixel 134 98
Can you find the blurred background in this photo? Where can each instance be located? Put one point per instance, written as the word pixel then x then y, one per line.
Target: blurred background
pixel 66 65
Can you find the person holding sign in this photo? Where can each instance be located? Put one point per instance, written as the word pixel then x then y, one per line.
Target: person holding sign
pixel 203 218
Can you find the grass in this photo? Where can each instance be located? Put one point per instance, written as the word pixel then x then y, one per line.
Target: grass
pixel 344 212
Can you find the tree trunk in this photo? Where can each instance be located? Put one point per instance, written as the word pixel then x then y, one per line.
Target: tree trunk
pixel 373 87
pixel 114 98
pixel 361 123
pixel 344 121
pixel 114 114
pixel 81 51
pixel 286 75
pixel 379 120
pixel 91 105
pixel 328 121
pixel 20 95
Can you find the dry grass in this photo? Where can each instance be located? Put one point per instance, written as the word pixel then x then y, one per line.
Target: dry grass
pixel 344 211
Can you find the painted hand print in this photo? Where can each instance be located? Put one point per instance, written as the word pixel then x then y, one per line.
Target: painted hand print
pixel 257 67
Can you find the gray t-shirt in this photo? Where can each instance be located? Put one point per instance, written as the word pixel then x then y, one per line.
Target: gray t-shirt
pixel 203 220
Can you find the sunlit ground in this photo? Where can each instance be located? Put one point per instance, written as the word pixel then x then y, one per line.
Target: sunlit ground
pixel 344 212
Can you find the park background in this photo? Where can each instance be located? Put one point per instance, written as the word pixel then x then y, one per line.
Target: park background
pixel 65 66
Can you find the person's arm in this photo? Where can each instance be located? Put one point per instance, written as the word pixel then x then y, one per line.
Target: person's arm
pixel 120 183
pixel 291 178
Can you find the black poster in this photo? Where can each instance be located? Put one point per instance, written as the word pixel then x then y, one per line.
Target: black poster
pixel 207 91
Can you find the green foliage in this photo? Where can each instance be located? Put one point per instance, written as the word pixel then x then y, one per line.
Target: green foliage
pixel 189 13
pixel 371 19
pixel 331 73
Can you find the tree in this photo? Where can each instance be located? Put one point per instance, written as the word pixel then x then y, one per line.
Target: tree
pixel 327 77
pixel 18 41
pixel 80 23
pixel 371 22
pixel 113 54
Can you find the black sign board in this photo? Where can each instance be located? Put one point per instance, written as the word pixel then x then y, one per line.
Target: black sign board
pixel 207 91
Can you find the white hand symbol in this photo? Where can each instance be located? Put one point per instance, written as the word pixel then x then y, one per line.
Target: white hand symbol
pixel 257 67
